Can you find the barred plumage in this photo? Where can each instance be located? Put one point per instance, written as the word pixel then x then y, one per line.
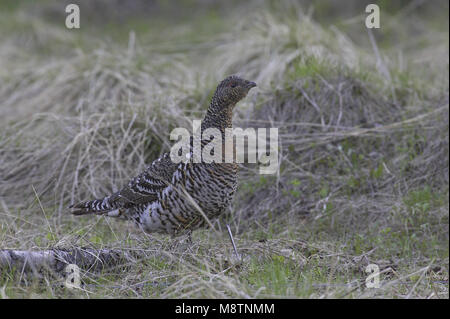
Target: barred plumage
pixel 170 198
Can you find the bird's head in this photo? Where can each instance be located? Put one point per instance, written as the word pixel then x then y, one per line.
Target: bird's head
pixel 232 90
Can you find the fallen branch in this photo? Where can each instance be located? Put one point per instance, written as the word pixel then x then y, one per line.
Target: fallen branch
pixel 56 260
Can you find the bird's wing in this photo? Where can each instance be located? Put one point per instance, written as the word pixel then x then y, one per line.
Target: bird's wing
pixel 144 188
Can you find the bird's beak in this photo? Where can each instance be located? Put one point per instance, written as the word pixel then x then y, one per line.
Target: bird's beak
pixel 251 85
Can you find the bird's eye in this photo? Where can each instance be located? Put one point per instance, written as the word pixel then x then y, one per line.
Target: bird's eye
pixel 233 85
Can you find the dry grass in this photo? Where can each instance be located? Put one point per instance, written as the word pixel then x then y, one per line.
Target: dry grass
pixel 363 121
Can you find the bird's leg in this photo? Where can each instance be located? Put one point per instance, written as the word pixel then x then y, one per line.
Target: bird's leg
pixel 189 236
pixel 188 241
pixel 184 243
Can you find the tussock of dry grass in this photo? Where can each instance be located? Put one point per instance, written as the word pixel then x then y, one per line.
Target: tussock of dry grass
pixel 363 174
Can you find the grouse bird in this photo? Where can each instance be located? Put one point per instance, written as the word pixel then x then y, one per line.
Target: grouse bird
pixel 170 197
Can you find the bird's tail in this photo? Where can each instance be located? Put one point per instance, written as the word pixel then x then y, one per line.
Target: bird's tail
pixel 97 206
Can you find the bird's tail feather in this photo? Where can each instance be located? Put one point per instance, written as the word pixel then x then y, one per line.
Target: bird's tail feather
pixel 97 206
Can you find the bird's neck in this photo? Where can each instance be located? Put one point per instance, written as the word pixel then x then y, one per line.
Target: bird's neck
pixel 219 115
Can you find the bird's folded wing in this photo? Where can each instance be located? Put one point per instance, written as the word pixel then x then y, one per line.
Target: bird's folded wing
pixel 144 188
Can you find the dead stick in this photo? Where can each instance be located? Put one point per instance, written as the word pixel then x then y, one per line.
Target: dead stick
pixel 57 259
pixel 232 241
